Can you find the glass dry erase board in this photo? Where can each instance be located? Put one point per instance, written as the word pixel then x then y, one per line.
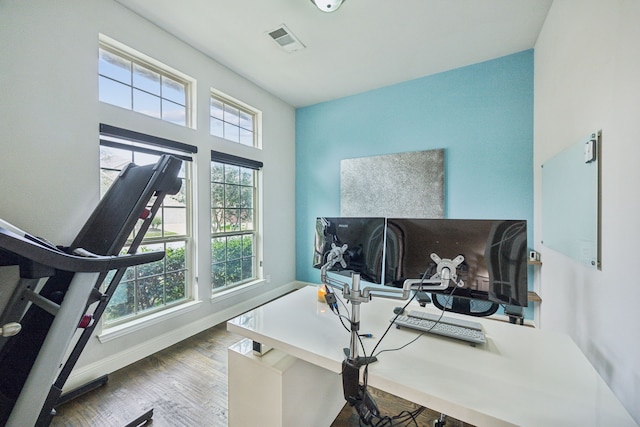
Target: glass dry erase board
pixel 571 201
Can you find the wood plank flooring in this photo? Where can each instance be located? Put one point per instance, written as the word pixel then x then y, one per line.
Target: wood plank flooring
pixel 186 385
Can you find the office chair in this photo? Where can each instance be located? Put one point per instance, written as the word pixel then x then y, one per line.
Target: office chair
pixel 470 307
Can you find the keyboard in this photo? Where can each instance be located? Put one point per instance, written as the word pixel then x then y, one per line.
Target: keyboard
pixel 465 330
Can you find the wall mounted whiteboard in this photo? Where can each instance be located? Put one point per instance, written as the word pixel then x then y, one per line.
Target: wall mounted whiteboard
pixel 571 202
pixel 403 185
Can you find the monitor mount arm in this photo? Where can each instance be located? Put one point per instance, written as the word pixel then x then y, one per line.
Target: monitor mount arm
pixel 445 273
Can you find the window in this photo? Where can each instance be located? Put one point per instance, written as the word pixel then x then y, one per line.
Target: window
pixel 231 121
pixel 152 287
pixel 130 82
pixel 234 184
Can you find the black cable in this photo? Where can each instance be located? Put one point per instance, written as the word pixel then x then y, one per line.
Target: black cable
pixel 389 421
pixel 386 420
pixel 404 417
pixel 331 298
pixel 422 279
pixel 447 297
pixel 398 314
pixel 344 305
pixel 342 317
pixel 408 417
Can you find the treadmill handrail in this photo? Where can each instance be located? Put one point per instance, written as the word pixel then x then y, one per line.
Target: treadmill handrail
pixel 60 260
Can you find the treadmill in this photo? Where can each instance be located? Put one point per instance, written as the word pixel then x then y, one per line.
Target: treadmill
pixel 58 291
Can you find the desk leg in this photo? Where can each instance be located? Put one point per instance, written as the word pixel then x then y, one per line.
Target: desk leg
pixel 280 390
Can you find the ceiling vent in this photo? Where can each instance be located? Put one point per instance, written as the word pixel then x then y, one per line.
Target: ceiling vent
pixel 285 39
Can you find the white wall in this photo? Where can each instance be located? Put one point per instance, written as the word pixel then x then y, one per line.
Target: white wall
pixel 49 116
pixel 587 77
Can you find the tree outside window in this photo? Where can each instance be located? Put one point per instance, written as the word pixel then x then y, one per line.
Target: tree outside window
pixel 233 227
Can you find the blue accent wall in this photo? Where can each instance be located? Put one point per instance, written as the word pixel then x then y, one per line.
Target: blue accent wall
pixel 481 115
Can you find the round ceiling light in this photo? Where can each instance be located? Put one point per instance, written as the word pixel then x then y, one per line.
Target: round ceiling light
pixel 327 5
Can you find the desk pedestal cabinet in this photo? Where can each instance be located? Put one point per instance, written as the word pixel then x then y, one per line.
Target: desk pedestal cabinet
pixel 277 389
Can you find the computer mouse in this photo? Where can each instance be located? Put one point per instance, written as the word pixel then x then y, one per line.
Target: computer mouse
pixel 398 310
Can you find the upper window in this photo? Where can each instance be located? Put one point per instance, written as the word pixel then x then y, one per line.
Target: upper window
pixel 232 121
pixel 129 82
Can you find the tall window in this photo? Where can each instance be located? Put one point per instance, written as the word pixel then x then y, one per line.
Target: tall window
pixel 148 288
pixel 232 121
pixel 130 82
pixel 234 184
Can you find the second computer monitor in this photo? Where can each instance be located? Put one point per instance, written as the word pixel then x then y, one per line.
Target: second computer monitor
pixel 363 240
pixel 494 251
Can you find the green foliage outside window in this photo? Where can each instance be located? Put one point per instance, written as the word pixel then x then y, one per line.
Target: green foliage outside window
pixel 233 260
pixel 232 225
pixel 147 286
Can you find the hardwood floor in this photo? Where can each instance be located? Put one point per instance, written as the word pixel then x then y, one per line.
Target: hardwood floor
pixel 186 385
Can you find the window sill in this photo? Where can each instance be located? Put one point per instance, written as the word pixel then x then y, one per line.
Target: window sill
pixel 153 319
pixel 236 290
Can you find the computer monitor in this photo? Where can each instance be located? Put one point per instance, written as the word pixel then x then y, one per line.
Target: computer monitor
pixel 364 240
pixel 494 251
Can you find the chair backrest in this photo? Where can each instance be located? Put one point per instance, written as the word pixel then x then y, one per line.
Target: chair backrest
pixel 471 307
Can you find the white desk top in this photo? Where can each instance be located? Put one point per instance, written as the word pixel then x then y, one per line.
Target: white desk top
pixel 522 376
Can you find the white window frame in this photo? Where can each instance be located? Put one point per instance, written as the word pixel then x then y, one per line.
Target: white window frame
pixel 242 107
pixel 114 47
pixel 142 146
pixel 255 232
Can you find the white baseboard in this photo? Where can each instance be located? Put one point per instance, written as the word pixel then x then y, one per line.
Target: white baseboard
pixel 85 374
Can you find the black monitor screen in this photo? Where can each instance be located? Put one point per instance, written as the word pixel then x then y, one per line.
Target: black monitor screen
pixel 364 240
pixel 495 255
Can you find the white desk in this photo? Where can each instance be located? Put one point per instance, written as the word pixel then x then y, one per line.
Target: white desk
pixel 521 377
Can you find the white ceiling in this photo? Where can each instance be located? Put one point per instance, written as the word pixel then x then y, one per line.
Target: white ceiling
pixel 366 44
